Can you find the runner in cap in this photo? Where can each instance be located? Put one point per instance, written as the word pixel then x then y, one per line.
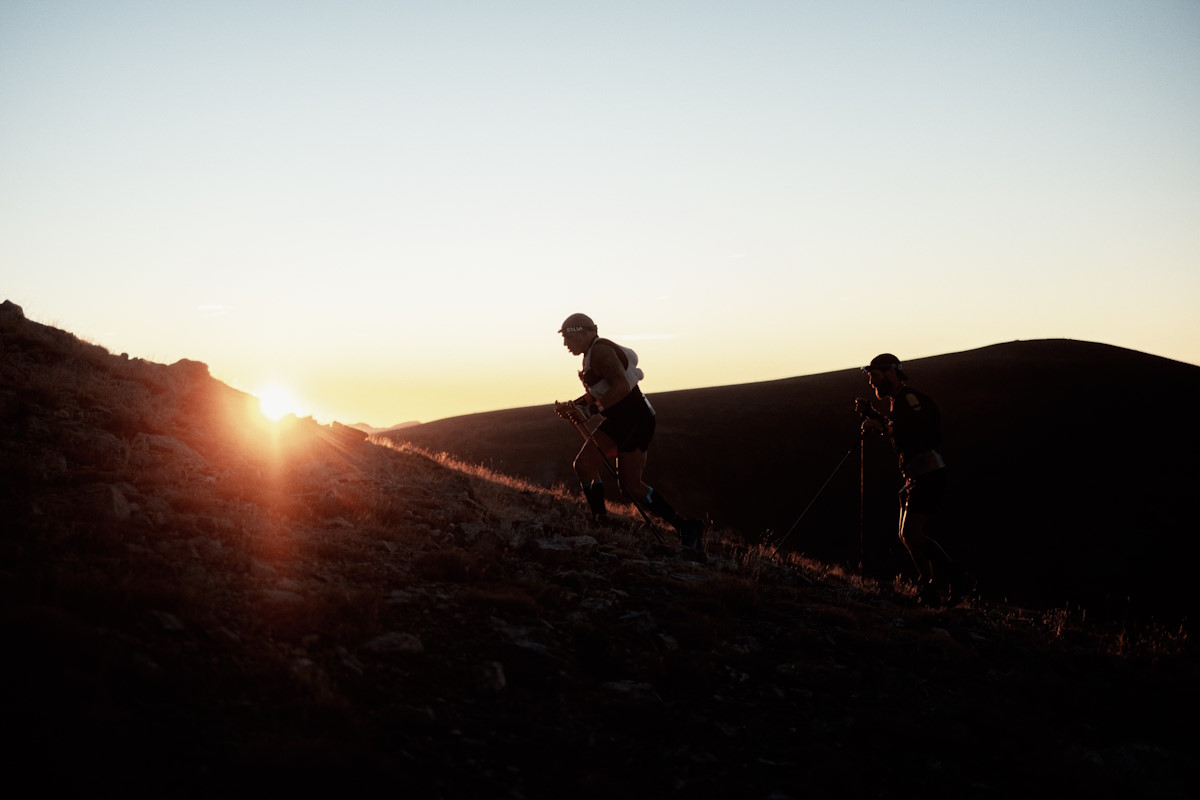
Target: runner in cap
pixel 913 425
pixel 610 377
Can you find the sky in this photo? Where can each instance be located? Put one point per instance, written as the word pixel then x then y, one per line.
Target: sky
pixel 387 209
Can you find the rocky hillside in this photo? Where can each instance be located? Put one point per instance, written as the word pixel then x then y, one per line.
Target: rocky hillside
pixel 196 602
pixel 1073 472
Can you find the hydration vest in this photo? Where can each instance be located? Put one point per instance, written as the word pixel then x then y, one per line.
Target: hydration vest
pixel 595 384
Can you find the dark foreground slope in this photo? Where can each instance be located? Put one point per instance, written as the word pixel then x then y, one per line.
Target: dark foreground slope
pixel 196 603
pixel 1074 468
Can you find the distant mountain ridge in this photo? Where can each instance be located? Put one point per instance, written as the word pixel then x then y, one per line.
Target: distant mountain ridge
pixel 1073 475
pixel 373 431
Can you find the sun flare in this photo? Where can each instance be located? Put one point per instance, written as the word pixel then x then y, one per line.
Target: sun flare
pixel 276 402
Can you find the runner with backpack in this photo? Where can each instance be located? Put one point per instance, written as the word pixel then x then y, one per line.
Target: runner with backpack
pixel 610 377
pixel 913 425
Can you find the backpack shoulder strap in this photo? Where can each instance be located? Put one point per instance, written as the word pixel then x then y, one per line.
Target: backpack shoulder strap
pixel 620 350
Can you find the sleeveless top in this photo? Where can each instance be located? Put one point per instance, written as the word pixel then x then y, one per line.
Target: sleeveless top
pixel 595 384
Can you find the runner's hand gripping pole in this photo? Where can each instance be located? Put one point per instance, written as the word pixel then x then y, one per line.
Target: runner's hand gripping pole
pixel 577 414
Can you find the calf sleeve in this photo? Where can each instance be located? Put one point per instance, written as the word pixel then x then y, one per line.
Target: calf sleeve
pixel 594 492
pixel 943 565
pixel 659 505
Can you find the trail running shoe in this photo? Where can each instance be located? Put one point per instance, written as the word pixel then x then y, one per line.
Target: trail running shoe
pixel 930 596
pixel 963 587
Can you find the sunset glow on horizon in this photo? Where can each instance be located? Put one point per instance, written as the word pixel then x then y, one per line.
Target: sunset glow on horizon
pixel 276 402
pixel 389 208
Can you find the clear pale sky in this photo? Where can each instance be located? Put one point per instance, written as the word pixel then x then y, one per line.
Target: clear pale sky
pixel 389 207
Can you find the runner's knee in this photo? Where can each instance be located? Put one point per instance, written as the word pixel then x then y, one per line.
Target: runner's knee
pixel 912 534
pixel 635 489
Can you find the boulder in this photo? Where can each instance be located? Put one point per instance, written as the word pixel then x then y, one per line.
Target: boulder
pixel 11 313
pixel 103 500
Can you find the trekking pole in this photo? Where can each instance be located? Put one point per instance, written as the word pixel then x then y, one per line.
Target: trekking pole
pixel 563 411
pixel 810 502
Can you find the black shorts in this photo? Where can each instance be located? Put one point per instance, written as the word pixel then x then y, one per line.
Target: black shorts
pixel 924 493
pixel 630 423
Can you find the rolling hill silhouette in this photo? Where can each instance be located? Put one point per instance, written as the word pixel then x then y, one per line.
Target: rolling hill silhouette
pixel 196 602
pixel 1073 469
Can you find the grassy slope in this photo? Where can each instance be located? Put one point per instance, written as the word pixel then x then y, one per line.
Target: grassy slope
pixel 196 602
pixel 1072 475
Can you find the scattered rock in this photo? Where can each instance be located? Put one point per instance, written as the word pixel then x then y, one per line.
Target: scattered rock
pixel 11 313
pixel 283 597
pixel 103 500
pixel 489 677
pixel 395 643
pixel 190 370
pixel 568 543
pixel 167 620
pixel 169 445
pixel 633 689
pixel 348 434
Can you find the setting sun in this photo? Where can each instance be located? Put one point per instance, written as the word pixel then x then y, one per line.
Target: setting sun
pixel 276 402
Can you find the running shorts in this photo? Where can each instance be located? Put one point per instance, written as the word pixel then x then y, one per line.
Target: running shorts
pixel 630 423
pixel 925 492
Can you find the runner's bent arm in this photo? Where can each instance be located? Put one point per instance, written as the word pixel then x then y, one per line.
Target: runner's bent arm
pixel 606 363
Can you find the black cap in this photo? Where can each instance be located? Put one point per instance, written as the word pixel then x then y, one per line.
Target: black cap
pixel 886 361
pixel 577 322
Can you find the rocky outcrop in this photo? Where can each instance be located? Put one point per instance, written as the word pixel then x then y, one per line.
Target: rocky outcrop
pixel 10 313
